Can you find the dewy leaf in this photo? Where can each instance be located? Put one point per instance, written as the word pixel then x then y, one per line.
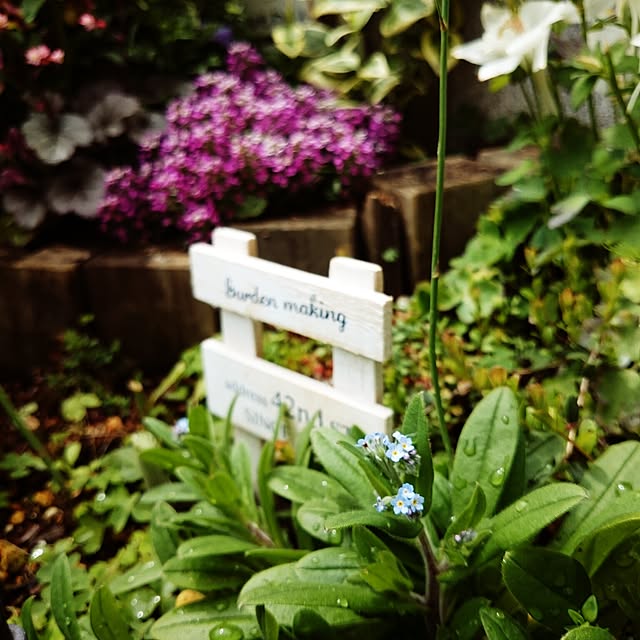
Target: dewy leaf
pixel 610 482
pixel 342 465
pixel 499 626
pixel 486 449
pixel 213 545
pixel 596 548
pixel 62 599
pixel 546 583
pixel 207 573
pixel 520 521
pixel 312 516
pixel 394 525
pixel 415 422
pixel 106 618
pixel 588 633
pixel 26 618
pixel 299 484
pixel 195 621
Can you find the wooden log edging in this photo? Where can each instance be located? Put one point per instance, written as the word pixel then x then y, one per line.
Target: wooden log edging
pixel 143 298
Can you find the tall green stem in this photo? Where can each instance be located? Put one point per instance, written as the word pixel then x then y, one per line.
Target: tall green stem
pixel 592 108
pixel 437 224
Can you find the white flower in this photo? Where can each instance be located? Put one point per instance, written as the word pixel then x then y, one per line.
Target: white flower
pixel 54 139
pixel 513 39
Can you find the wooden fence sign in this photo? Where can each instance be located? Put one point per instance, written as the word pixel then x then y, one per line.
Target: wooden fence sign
pixel 345 310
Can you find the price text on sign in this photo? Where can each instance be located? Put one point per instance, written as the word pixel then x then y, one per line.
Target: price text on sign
pixel 260 387
pixel 348 317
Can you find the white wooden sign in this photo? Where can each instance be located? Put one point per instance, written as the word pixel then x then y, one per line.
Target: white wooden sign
pixel 344 310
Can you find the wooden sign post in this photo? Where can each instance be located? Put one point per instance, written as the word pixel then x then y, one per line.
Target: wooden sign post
pixel 345 310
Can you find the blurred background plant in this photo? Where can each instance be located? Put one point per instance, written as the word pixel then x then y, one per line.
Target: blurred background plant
pixel 374 50
pixel 80 82
pixel 241 143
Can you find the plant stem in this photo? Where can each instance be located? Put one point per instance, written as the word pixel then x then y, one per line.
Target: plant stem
pixel 437 225
pixel 432 587
pixel 613 81
pixel 30 438
pixel 590 103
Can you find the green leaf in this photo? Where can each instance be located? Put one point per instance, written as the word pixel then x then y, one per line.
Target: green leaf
pixel 170 492
pixel 588 633
pixel 26 618
pixel 520 521
pixel 299 484
pixel 440 511
pixel 195 621
pixel 213 545
pixel 106 617
pixel 74 408
pixel 252 206
pixel 62 599
pixel 339 7
pixel 486 449
pixel 402 14
pixel 567 209
pixel 169 460
pixel 595 549
pixel 376 67
pixel 546 583
pixel 470 516
pixel 200 448
pixel 343 61
pixel 387 575
pixel 581 90
pixel 267 501
pixel 415 422
pixel 307 623
pixel 138 576
pixel 162 432
pixel 207 573
pixel 609 483
pixel 163 538
pixel 499 626
pixel 392 524
pixel 628 204
pixel 30 9
pixel 312 516
pixel 465 622
pixel 342 465
pixel 267 623
pixel 289 38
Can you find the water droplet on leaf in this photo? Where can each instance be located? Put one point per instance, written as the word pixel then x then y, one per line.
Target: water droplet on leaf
pixel 470 447
pixel 505 419
pixel 521 505
pixel 497 477
pixel 227 632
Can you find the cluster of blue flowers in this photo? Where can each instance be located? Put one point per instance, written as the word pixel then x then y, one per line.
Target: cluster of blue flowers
pixel 396 456
pixel 380 445
pixel 406 502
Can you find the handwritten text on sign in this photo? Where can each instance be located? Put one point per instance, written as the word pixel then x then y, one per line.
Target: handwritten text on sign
pixel 344 316
pixel 260 387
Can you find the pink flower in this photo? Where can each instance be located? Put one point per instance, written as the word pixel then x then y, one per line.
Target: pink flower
pixel 4 20
pixel 89 22
pixel 37 56
pixel 56 57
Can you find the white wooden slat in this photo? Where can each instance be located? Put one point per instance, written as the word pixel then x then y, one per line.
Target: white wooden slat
pixel 240 333
pixel 354 374
pixel 259 387
pixel 351 318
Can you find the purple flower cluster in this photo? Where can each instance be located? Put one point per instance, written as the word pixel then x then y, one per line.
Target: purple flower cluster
pixel 242 137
